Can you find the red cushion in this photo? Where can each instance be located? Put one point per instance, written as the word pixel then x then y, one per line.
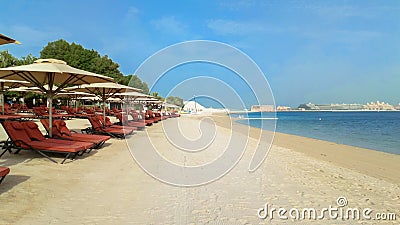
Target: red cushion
pixel 4 171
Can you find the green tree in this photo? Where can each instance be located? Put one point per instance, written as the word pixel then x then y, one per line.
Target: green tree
pixel 25 60
pixel 175 100
pixel 77 56
pixel 134 81
pixel 7 60
pixel 157 96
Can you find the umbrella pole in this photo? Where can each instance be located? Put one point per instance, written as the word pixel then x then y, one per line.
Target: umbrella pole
pixel 76 103
pixel 104 106
pixel 50 104
pixel 2 97
pixel 104 112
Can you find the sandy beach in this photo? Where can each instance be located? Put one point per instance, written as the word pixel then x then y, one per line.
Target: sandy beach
pixel 108 186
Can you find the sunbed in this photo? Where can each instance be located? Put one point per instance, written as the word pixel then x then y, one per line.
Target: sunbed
pixel 20 139
pixel 3 173
pixel 61 131
pixel 150 115
pixel 108 123
pixel 123 119
pixel 98 128
pixel 135 116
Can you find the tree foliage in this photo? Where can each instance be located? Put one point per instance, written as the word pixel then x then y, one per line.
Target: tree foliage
pixel 175 100
pixel 7 60
pixel 157 96
pixel 134 81
pixel 77 56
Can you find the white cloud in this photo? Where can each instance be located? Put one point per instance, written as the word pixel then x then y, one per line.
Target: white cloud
pixel 232 27
pixel 36 37
pixel 170 25
pixel 237 5
pixel 132 12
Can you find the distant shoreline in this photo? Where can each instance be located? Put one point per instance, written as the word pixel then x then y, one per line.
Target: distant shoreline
pixel 381 165
pixel 239 112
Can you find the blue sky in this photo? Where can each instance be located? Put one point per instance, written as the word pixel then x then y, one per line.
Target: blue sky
pixel 318 51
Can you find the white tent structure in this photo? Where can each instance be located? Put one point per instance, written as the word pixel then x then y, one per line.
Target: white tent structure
pixel 192 106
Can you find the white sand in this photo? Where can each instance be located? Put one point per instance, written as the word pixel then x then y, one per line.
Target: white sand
pixel 108 187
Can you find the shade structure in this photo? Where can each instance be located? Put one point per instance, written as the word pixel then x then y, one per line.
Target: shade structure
pixel 169 105
pixel 51 72
pixel 74 95
pixel 104 91
pixel 147 100
pixel 7 40
pixel 34 89
pixel 7 85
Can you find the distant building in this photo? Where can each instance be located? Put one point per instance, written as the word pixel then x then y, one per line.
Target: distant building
pixel 329 107
pixel 283 108
pixel 308 106
pixel 262 108
pixel 341 107
pixel 397 107
pixel 378 106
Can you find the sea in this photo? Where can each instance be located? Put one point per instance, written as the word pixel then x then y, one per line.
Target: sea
pixel 367 129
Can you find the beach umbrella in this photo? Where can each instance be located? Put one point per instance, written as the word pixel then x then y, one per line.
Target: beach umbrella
pixel 51 72
pixel 7 40
pixel 75 95
pixel 147 100
pixel 104 91
pixel 169 105
pixel 7 85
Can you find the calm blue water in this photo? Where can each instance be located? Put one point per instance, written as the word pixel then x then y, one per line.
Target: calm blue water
pixel 373 130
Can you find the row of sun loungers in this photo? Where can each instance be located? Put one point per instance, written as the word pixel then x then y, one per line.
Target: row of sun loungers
pixel 26 135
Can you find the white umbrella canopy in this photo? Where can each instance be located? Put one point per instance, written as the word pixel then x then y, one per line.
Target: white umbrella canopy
pixel 7 40
pixel 91 98
pixel 51 72
pixel 34 89
pixel 104 91
pixel 76 95
pixel 169 105
pixel 147 99
pixel 7 85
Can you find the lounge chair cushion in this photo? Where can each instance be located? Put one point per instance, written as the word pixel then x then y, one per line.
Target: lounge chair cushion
pixel 62 128
pixel 33 131
pixel 4 171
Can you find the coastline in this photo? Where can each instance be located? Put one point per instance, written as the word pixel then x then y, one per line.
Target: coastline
pixel 108 186
pixel 374 163
pixel 243 111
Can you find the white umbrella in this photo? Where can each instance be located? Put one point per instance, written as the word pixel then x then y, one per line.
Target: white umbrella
pixel 169 105
pixel 51 72
pixel 8 85
pixel 104 91
pixel 147 100
pixel 7 40
pixel 75 95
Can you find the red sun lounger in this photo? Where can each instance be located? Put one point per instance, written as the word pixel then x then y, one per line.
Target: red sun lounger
pixel 98 128
pixel 21 140
pixel 61 131
pixel 123 120
pixel 3 173
pixel 111 125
